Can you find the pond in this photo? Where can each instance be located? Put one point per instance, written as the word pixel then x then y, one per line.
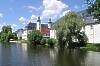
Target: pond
pixel 24 55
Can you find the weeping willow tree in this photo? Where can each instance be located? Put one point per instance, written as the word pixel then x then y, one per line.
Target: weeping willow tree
pixel 69 31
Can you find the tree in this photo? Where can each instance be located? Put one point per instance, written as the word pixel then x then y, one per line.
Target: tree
pixel 14 36
pixel 43 41
pixel 6 33
pixel 94 8
pixel 35 37
pixel 51 42
pixel 69 31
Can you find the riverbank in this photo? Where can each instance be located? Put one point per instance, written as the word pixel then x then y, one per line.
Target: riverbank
pixel 92 47
pixel 89 46
pixel 19 41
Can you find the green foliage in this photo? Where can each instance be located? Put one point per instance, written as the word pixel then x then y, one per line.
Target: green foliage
pixel 7 29
pixel 43 41
pixel 94 8
pixel 35 37
pixel 51 42
pixel 91 46
pixel 69 30
pixel 61 39
pixel 14 36
pixel 5 34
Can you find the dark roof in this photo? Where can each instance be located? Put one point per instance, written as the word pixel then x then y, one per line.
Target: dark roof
pixel 88 19
pixel 30 26
pixel 19 30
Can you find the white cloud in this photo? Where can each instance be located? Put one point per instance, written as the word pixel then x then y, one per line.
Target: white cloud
pixel 1 15
pixel 65 12
pixel 13 26
pixel 32 8
pixel 33 17
pixel 52 8
pixel 1 27
pixel 27 20
pixel 22 19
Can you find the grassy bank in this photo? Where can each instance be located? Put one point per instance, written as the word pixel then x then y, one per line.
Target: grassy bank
pixel 92 47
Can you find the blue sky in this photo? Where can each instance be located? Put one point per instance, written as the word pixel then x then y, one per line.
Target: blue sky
pixel 18 13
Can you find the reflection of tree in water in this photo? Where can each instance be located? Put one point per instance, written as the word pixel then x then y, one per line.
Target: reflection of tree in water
pixel 70 57
pixel 39 56
pixel 5 54
pixel 6 45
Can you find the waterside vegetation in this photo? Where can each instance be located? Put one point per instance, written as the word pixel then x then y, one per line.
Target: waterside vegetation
pixel 70 34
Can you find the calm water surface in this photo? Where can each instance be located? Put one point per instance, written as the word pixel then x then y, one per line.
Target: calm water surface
pixel 23 55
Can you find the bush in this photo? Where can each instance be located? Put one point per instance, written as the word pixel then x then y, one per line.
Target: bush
pixel 51 42
pixel 35 37
pixel 43 41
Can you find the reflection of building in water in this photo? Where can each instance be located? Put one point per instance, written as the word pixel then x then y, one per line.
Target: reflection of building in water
pixel 92 59
pixel 24 46
pixel 53 54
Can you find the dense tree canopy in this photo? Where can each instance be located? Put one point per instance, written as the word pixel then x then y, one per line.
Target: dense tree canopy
pixel 35 37
pixel 94 8
pixel 14 36
pixel 6 33
pixel 69 31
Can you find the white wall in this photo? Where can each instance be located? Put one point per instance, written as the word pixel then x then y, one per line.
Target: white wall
pixel 24 35
pixel 53 34
pixel 19 34
pixel 49 25
pixel 38 26
pixel 93 34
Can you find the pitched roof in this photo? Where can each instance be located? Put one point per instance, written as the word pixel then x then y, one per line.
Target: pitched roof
pixel 88 19
pixel 30 26
pixel 19 30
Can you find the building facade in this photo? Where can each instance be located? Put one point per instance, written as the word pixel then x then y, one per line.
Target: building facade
pixel 46 29
pixel 93 33
pixel 92 28
pixel 19 33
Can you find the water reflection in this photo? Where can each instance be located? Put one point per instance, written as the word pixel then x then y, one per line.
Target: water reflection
pixel 26 55
pixel 70 58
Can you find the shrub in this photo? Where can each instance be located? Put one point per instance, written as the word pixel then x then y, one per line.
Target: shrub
pixel 43 41
pixel 51 42
pixel 35 37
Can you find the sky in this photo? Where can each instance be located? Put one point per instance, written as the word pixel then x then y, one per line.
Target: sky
pixel 18 13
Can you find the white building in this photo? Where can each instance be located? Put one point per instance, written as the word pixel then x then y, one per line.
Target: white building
pixel 53 33
pixel 92 28
pixel 46 29
pixel 93 33
pixel 19 33
pixel 24 35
